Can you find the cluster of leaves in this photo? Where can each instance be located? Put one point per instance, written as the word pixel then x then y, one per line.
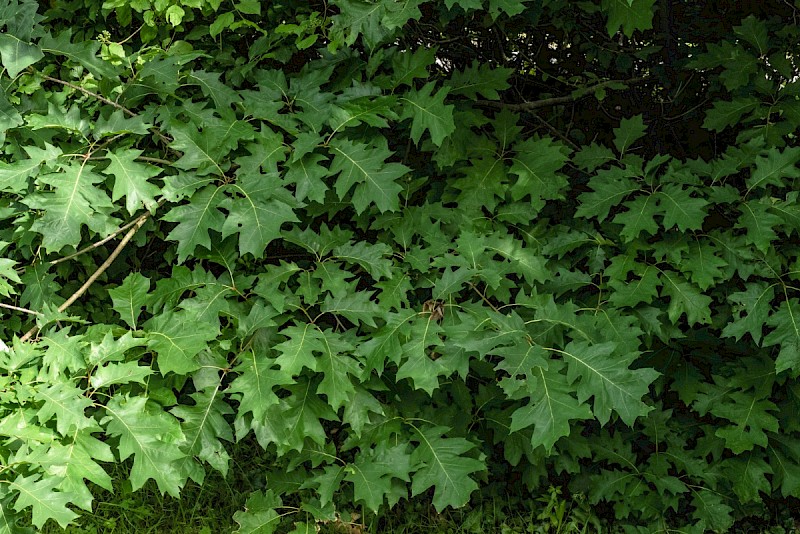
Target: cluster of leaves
pixel 382 242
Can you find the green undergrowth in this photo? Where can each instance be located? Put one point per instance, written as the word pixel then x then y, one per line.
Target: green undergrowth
pixel 209 509
pixel 383 265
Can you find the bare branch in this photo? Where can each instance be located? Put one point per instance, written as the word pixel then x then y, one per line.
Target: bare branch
pixel 90 93
pixel 100 270
pixel 155 160
pixel 19 309
pixel 105 100
pixel 108 238
pixel 554 101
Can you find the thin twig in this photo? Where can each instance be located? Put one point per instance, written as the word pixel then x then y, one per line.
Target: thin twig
pixel 546 102
pixel 552 129
pixel 100 270
pixel 155 160
pixel 19 309
pixel 105 240
pixel 482 296
pixel 101 98
pixel 90 93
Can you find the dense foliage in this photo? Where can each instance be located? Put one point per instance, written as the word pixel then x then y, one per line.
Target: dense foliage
pixel 413 250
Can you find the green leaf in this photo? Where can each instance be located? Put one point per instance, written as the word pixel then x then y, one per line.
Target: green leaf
pixel 550 408
pixel 785 322
pixel 531 265
pixel 131 180
pixel 444 467
pixel 408 66
pixel 452 281
pixel 203 152
pixel 685 298
pixel 255 384
pixel 510 7
pixel 479 79
pixel 83 52
pixel 630 129
pixel 605 374
pixel 110 349
pixel 75 202
pixel 372 257
pixel 258 213
pixel 484 183
pixel 17 55
pixel 630 15
pixel 224 97
pixel 7 272
pixel 195 220
pixel 259 515
pixel 298 350
pixel 307 174
pixel 356 307
pixel 151 436
pixel 703 265
pixel 14 177
pixel 399 13
pixel 640 217
pixel 723 114
pixel 755 32
pixel 45 502
pixel 120 373
pixel 774 168
pixel 522 359
pixel 428 111
pixel 748 472
pixel 420 363
pixel 786 469
pixel 76 462
pixel 174 15
pixel 337 365
pixel 630 293
pixel 751 312
pixel 358 17
pixel 593 156
pixel 609 188
pixel 130 297
pixel 209 302
pixel 359 410
pixel 759 223
pixel 750 417
pixel 175 345
pixel 294 420
pixel 373 471
pixel 118 123
pixel 466 5
pixel 220 23
pixel 710 507
pixel 204 426
pixel 680 208
pixel 365 167
pixel 536 165
pixel 249 7
pixel 66 404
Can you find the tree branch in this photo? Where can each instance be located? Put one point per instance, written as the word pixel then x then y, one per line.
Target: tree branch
pixel 19 309
pixel 106 239
pixel 104 100
pixel 554 101
pixel 100 270
pixel 90 93
pixel 554 131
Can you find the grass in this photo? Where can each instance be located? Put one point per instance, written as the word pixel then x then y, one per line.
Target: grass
pixel 209 510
